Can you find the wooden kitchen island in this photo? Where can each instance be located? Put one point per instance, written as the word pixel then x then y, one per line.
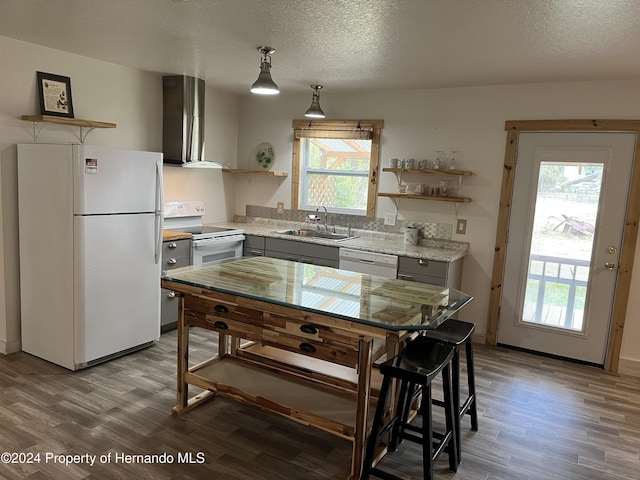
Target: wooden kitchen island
pixel 299 340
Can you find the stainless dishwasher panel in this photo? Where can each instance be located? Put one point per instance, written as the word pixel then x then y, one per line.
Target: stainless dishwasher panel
pixel 380 264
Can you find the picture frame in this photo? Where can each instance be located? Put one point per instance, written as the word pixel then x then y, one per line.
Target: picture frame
pixel 54 95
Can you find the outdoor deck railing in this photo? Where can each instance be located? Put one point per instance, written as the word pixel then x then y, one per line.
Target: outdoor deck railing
pixel 566 271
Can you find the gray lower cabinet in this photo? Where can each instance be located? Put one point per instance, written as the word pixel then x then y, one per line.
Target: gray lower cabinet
pixel 324 255
pixel 175 253
pixel 253 246
pixel 414 269
pixel 447 274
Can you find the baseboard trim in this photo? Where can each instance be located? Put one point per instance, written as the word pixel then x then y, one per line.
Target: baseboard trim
pixel 7 348
pixel 550 355
pixel 479 338
pixel 629 367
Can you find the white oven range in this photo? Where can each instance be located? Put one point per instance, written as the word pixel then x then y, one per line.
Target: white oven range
pixel 208 242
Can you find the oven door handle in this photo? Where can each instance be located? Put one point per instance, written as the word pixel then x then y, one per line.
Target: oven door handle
pixel 219 241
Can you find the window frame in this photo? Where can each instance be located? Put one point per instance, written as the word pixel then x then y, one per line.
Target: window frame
pixel 345 129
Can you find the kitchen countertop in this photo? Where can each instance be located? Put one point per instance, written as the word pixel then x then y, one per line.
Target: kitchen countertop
pixel 171 235
pixel 392 244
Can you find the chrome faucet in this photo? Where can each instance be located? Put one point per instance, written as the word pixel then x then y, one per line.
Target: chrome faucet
pixel 326 214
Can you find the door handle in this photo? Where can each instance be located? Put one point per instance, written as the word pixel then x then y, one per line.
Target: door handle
pixel 610 265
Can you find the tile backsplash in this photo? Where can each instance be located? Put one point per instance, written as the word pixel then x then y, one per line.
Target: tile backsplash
pixel 433 230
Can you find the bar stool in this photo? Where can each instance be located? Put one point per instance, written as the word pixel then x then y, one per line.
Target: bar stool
pixel 456 333
pixel 415 368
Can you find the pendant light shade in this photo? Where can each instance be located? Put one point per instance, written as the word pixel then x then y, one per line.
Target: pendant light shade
pixel 314 110
pixel 264 85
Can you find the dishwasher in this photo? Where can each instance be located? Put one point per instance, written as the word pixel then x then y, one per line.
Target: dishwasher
pixel 380 264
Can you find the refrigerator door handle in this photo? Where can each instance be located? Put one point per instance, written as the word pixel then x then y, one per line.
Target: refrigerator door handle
pixel 159 223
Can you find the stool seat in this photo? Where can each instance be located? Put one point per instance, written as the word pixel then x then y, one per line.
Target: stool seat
pixel 419 362
pixel 452 332
pixel 415 368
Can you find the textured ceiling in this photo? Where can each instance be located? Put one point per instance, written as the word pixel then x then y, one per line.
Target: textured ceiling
pixel 345 44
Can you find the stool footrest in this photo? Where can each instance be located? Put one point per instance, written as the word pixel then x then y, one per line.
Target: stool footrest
pixel 439 439
pixel 467 405
pixel 386 428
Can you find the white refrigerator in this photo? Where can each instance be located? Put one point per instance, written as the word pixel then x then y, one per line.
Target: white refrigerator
pixel 90 229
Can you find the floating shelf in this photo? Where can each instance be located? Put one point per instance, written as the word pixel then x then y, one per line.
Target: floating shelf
pixel 426 197
pixel 255 172
pixel 74 122
pixel 430 171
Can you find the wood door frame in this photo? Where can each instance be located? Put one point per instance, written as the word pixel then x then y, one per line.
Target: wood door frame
pixel 629 236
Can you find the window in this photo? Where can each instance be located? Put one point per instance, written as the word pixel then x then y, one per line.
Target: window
pixel 335 164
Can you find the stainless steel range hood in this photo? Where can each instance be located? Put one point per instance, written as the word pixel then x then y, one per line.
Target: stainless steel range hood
pixel 183 122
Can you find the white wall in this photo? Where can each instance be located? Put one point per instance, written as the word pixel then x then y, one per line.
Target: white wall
pixel 419 122
pixel 106 92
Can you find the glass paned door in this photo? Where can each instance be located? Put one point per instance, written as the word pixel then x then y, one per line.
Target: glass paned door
pixel 565 234
pixel 566 210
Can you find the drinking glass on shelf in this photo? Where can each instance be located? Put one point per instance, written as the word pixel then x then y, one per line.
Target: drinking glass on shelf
pixel 444 188
pixel 439 157
pixel 442 160
pixel 452 160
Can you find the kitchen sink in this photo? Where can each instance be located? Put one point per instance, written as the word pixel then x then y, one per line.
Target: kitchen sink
pixel 307 232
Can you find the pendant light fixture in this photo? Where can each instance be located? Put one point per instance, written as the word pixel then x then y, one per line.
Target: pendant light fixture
pixel 314 110
pixel 264 85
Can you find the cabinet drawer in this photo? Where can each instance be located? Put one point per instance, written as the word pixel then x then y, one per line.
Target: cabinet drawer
pixel 413 277
pixel 300 249
pixel 253 241
pixel 168 309
pixel 169 262
pixel 307 338
pixel 418 266
pixel 317 349
pixel 176 248
pixel 223 316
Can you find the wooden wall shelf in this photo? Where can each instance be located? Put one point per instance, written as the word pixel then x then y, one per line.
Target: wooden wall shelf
pixel 429 171
pixel 426 197
pixel 74 122
pixel 255 172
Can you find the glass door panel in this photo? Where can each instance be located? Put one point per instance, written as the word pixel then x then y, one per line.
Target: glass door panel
pixel 566 209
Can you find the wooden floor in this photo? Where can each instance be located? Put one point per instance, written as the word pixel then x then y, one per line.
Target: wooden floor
pixel 539 419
